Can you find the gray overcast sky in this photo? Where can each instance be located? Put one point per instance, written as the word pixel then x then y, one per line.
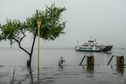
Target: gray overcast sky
pixel 104 20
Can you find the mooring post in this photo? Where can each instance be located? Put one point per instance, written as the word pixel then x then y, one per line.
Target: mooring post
pixel 120 60
pixel 120 64
pixel 90 64
pixel 82 60
pixel 110 60
pixel 90 60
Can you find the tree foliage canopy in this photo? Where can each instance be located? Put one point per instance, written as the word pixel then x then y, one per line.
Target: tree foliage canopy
pixel 13 30
pixel 51 26
pixel 50 29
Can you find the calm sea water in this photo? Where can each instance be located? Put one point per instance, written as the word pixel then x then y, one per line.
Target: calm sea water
pixel 72 73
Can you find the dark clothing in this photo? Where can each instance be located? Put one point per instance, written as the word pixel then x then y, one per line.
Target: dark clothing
pixel 61 62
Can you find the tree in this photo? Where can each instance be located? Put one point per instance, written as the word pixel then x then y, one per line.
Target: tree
pixel 51 28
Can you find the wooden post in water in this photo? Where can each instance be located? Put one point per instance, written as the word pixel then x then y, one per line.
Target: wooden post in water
pixel 90 63
pixel 110 60
pixel 120 60
pixel 82 60
pixel 120 64
pixel 90 60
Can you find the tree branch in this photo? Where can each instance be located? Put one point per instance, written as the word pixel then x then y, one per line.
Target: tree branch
pixel 19 44
pixel 23 36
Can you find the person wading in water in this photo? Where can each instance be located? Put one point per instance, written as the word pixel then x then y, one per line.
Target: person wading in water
pixel 61 61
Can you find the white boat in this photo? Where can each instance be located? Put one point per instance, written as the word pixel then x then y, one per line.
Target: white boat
pixel 92 46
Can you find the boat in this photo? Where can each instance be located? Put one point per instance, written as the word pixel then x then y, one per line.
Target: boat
pixel 92 46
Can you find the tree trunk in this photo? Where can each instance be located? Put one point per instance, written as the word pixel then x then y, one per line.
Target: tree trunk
pixel 29 61
pixel 32 48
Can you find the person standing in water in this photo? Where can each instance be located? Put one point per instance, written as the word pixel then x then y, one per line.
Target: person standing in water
pixel 61 61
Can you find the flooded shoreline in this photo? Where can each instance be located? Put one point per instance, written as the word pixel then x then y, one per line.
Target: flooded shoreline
pixel 50 73
pixel 67 74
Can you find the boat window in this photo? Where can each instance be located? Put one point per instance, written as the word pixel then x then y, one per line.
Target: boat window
pixel 90 41
pixel 92 45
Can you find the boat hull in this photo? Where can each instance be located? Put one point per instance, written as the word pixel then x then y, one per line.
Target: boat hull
pixel 105 49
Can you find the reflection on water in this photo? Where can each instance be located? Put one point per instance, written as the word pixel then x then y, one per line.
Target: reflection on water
pixel 120 69
pixel 94 71
pixel 38 75
pixel 61 68
pixel 31 75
